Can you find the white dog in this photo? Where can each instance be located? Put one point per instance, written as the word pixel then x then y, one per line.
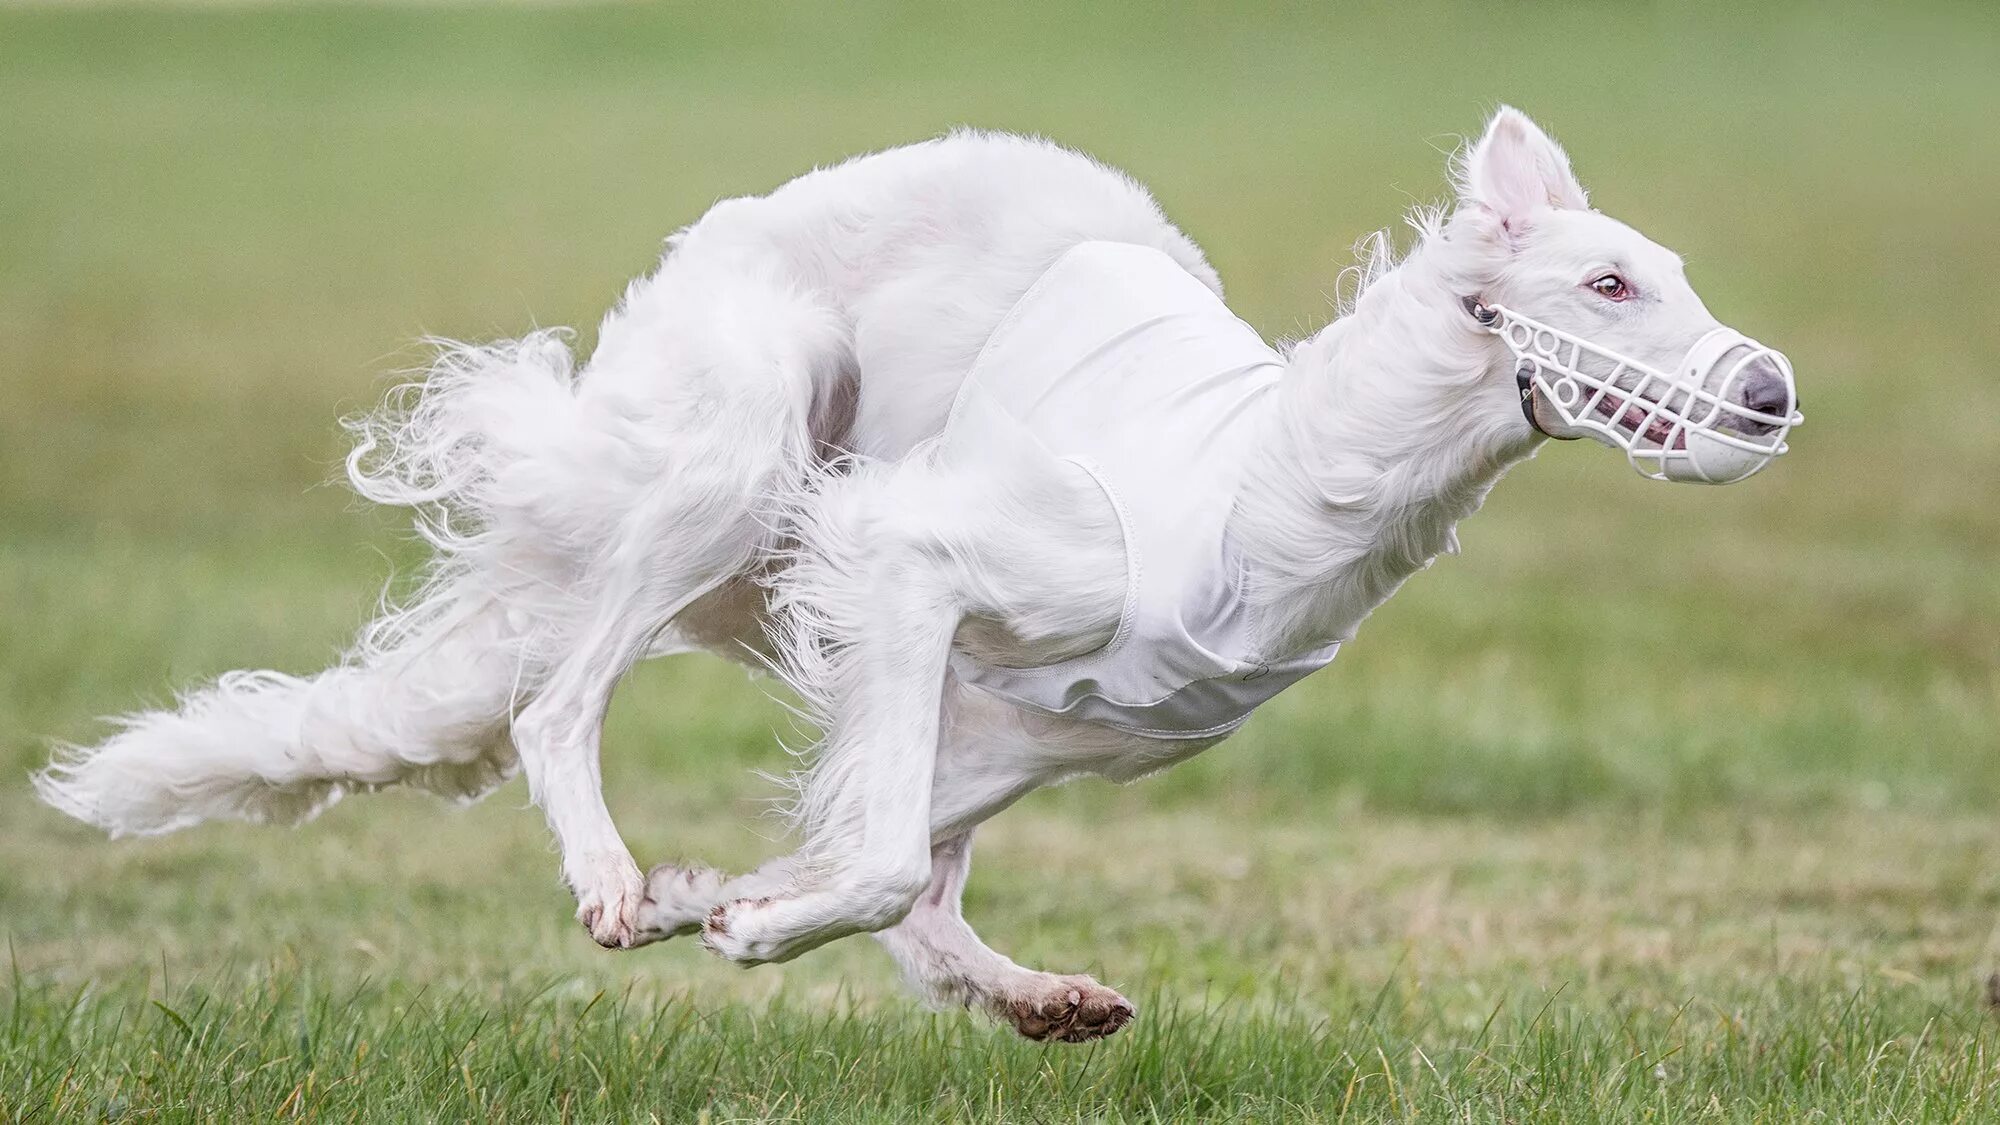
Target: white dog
pixel 960 438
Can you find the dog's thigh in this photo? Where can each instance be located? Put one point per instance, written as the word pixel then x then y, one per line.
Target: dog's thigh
pixel 699 403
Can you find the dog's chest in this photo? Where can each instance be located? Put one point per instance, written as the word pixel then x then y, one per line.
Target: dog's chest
pixel 1124 365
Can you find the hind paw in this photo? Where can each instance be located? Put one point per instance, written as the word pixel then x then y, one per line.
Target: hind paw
pixel 608 895
pixel 677 900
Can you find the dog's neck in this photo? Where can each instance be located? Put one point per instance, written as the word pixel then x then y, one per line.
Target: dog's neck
pixel 1390 428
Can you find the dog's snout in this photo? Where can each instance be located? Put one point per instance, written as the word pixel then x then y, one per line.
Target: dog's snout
pixel 1765 389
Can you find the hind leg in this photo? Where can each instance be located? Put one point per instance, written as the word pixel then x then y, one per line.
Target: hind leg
pixel 680 897
pixel 711 382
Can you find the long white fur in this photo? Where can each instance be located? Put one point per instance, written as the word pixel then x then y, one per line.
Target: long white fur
pixel 749 463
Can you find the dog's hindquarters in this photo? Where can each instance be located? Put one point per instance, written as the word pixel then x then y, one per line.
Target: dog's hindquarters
pixel 571 516
pixel 715 370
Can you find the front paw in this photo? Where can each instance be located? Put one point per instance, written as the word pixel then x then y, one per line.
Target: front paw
pixel 1063 1009
pixel 740 931
pixel 609 891
pixel 762 931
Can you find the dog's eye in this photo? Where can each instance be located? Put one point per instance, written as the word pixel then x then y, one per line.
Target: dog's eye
pixel 1611 287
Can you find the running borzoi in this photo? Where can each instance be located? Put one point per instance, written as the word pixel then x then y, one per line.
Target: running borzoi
pixel 962 440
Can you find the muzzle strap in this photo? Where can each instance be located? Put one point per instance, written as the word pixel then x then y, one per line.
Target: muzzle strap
pixel 1524 378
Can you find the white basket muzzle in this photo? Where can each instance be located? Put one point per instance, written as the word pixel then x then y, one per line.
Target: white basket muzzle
pixel 1688 425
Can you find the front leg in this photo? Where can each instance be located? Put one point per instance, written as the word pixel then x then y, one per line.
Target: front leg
pixel 893 560
pixel 944 958
pixel 874 612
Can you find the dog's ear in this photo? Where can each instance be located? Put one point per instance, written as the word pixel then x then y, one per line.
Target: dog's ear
pixel 1515 168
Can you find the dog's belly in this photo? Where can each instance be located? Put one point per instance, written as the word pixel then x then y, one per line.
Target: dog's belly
pixel 994 753
pixel 1113 755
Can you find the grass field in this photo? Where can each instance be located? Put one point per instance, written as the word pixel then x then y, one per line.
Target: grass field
pixel 1658 803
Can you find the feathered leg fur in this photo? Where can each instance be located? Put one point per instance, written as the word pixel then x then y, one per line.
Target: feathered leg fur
pixel 715 381
pixel 893 558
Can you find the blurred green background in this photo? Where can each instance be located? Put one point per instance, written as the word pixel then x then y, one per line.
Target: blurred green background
pixel 1640 750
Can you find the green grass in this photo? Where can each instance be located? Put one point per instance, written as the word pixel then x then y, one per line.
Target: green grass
pixel 1656 804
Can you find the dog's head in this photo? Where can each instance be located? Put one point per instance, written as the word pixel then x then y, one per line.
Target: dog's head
pixel 1597 326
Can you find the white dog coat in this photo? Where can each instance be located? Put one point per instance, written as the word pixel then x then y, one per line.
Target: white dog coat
pixel 1120 362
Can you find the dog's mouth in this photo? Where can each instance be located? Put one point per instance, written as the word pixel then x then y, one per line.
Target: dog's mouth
pixel 1640 417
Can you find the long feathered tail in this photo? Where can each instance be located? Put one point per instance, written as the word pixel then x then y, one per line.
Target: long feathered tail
pixel 489 449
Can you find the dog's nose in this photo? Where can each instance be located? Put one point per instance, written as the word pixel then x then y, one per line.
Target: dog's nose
pixel 1765 389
